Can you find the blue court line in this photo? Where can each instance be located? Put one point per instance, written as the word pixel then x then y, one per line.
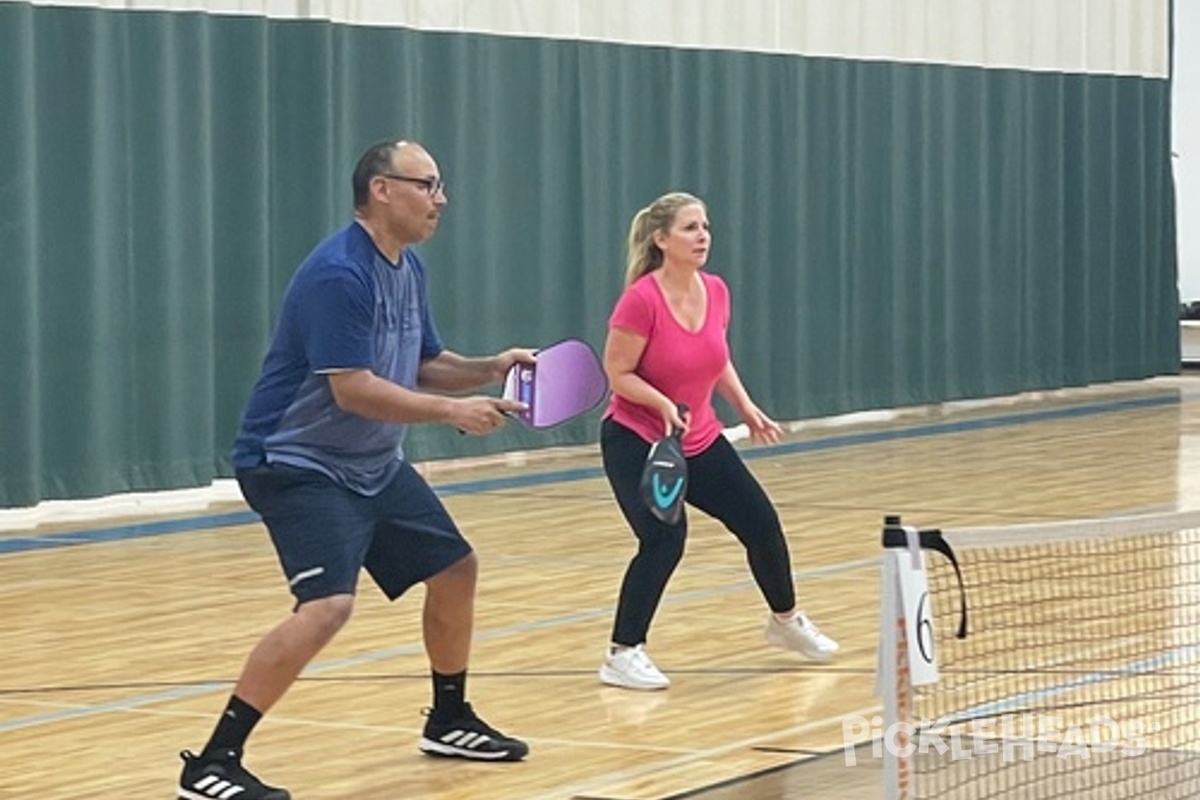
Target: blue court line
pixel 1021 702
pixel 139 530
pixel 91 710
pixel 981 423
pixel 24 544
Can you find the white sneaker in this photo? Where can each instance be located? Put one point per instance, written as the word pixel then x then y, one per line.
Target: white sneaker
pixel 801 635
pixel 631 668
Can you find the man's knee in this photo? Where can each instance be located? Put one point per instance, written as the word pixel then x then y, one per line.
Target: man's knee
pixel 461 573
pixel 327 615
pixel 466 567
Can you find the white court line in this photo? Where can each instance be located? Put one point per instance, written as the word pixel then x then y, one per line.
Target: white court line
pixel 367 727
pixel 599 782
pixel 185 692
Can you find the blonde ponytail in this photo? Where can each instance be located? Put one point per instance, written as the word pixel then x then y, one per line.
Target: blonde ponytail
pixel 642 254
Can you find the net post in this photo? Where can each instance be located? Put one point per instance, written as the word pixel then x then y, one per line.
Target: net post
pixel 892 680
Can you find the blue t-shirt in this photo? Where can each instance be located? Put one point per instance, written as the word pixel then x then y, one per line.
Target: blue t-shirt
pixel 347 307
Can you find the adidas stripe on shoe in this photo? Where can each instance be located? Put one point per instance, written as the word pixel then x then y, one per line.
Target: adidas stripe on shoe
pixel 467 736
pixel 222 777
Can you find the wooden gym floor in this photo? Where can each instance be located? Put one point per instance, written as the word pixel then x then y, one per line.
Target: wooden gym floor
pixel 121 638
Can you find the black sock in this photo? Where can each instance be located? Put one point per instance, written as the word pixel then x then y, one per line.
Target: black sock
pixel 449 694
pixel 237 720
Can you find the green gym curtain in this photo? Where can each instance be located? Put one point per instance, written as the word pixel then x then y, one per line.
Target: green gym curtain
pixel 894 234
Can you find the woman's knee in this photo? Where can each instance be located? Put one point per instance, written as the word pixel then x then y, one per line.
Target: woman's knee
pixel 665 547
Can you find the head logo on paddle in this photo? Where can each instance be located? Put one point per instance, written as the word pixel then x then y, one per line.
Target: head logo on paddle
pixel 664 476
pixel 566 382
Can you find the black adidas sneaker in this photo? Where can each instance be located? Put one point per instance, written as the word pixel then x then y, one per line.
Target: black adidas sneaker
pixel 222 777
pixel 467 736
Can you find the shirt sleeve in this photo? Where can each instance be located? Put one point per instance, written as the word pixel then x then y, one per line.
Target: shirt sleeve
pixel 335 310
pixel 720 294
pixel 431 339
pixel 633 312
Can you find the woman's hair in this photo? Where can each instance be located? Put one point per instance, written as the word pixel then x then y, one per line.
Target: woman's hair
pixel 642 254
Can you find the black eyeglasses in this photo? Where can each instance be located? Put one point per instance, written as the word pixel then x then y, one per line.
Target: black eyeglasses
pixel 431 185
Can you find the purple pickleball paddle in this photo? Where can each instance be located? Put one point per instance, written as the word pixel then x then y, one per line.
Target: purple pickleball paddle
pixel 568 380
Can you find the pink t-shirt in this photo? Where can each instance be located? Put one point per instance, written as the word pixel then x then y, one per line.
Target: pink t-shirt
pixel 684 365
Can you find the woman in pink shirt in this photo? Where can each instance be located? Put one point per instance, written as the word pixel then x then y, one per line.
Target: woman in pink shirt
pixel 667 348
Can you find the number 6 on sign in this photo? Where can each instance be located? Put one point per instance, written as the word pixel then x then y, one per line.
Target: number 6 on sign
pixel 909 564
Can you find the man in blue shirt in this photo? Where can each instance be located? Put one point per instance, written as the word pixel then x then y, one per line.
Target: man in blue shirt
pixel 355 359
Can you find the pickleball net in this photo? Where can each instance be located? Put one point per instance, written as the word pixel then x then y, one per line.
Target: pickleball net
pixel 1079 675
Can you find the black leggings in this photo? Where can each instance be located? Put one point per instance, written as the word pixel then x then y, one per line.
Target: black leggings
pixel 720 485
